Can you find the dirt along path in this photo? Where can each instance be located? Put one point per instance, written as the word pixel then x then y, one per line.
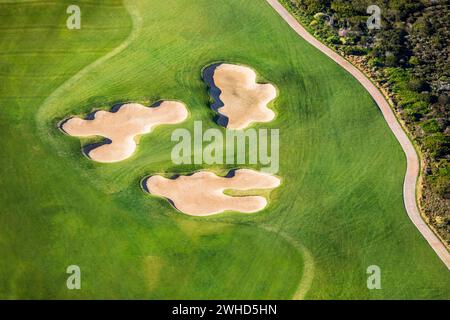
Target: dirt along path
pixel 413 166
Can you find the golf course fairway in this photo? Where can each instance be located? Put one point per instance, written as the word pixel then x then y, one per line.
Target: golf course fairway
pixel 338 210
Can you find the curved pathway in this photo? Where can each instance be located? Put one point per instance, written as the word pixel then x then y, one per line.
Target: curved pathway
pixel 308 263
pixel 67 85
pixel 412 170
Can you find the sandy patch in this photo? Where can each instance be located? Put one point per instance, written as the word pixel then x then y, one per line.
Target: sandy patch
pixel 122 126
pixel 238 97
pixel 202 193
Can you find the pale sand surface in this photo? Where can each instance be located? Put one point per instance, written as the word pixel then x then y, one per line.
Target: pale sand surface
pixel 412 170
pixel 121 127
pixel 244 100
pixel 202 193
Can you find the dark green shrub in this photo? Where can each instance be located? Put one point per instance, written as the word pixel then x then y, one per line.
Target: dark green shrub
pixel 431 126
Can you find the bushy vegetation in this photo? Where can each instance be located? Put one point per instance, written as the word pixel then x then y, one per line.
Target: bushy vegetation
pixel 409 58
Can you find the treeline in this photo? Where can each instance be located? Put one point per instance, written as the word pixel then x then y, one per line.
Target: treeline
pixel 408 56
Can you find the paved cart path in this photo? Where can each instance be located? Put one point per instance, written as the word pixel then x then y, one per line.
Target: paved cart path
pixel 412 170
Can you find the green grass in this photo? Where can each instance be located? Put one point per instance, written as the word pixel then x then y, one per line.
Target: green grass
pixel 342 169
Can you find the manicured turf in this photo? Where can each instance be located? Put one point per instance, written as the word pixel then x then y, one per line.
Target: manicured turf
pixel 342 170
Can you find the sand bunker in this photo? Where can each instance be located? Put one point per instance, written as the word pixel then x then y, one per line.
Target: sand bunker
pixel 202 193
pixel 238 97
pixel 121 126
